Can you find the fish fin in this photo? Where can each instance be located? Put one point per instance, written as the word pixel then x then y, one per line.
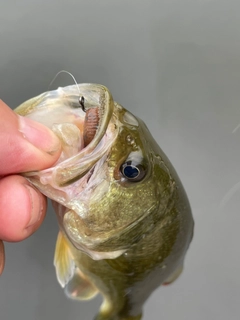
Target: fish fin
pixel 108 311
pixel 79 287
pixel 173 276
pixel 100 317
pixel 63 260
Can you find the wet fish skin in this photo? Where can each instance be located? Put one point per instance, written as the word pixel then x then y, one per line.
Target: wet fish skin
pixel 145 226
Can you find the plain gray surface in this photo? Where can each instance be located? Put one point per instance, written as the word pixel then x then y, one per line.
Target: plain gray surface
pixel 176 65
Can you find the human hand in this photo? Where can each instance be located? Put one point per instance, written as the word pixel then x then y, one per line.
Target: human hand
pixel 25 146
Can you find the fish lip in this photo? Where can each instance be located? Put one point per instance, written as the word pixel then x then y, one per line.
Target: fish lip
pixel 69 170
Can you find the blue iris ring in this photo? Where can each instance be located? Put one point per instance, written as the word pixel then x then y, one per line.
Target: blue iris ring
pixel 133 171
pixel 130 172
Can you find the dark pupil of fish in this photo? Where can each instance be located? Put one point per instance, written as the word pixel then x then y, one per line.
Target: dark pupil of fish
pixel 131 172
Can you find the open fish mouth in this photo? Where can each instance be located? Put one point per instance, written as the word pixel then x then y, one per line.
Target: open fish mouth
pixel 82 117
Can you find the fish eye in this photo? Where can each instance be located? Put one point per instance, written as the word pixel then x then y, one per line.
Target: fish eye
pixel 133 171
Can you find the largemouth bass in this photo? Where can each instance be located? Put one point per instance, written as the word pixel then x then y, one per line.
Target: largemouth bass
pixel 124 217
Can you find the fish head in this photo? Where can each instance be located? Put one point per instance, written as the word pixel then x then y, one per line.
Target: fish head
pixel 109 188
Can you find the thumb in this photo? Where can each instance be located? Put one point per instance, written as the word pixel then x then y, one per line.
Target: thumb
pixel 26 145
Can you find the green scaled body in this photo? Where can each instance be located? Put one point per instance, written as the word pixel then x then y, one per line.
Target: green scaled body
pixel 125 220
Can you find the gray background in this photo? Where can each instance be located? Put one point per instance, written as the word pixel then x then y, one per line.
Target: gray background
pixel 175 64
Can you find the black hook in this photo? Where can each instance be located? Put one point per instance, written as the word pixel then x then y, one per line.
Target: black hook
pixel 81 102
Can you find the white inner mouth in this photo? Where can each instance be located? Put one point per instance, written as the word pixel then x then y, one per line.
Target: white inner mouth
pixel 77 162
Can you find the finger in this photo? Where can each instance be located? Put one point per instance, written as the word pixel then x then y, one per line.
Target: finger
pixel 2 257
pixel 22 208
pixel 25 144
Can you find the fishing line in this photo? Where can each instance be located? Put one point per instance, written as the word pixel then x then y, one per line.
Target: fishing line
pixel 70 74
pixel 92 118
